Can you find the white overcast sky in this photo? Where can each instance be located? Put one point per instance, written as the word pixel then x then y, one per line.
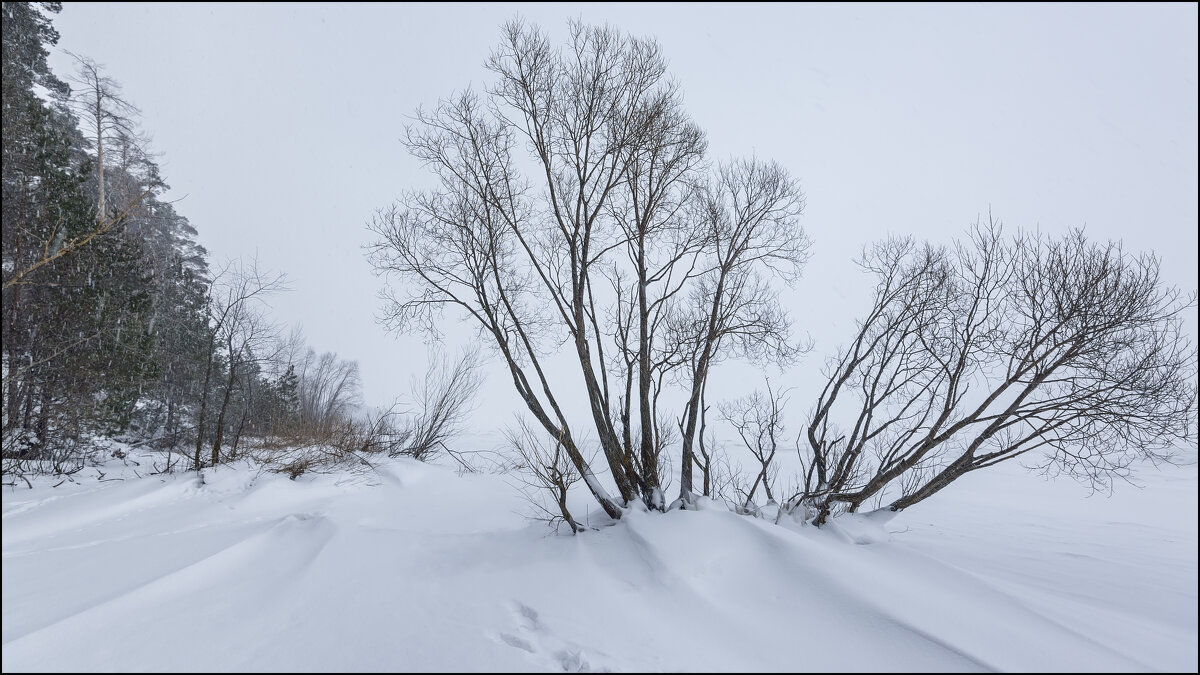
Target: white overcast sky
pixel 279 128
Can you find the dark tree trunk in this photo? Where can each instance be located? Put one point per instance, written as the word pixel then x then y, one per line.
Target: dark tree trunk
pixel 220 428
pixel 203 403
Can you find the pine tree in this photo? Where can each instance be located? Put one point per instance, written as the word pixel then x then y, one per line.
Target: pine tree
pixel 78 299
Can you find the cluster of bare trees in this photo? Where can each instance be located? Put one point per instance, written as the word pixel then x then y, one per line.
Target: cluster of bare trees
pixel 575 208
pixel 237 329
pixel 326 389
pixel 1065 351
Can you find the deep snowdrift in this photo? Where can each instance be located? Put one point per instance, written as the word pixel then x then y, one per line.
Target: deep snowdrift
pixel 417 568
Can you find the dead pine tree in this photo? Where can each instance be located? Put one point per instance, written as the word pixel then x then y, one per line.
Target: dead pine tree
pixel 104 114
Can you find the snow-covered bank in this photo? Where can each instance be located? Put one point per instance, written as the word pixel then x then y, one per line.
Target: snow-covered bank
pixel 416 568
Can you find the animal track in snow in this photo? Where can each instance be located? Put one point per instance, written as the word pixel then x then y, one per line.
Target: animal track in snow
pixel 534 637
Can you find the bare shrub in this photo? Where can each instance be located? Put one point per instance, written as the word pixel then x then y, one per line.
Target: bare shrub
pixel 329 437
pixel 443 400
pixel 347 443
pixel 544 469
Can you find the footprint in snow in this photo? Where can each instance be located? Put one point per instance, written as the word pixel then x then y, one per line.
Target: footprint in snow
pixel 534 637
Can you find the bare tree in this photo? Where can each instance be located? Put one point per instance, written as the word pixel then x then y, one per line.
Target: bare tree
pixel 591 242
pixel 245 333
pixel 663 248
pixel 235 323
pixel 248 393
pixel 105 116
pixel 993 349
pixel 749 213
pixel 104 113
pixel 758 420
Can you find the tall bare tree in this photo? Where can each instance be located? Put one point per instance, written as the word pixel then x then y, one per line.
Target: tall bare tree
pixel 749 216
pixel 663 248
pixel 104 114
pixel 246 335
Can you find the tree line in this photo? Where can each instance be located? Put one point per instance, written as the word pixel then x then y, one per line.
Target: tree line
pixel 115 323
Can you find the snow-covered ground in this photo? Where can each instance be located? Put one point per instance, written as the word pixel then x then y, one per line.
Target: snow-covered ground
pixel 417 568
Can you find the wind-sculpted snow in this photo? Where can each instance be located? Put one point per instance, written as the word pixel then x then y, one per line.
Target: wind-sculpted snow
pixel 416 568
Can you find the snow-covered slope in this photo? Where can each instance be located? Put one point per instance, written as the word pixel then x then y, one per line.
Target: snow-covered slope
pixel 417 568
